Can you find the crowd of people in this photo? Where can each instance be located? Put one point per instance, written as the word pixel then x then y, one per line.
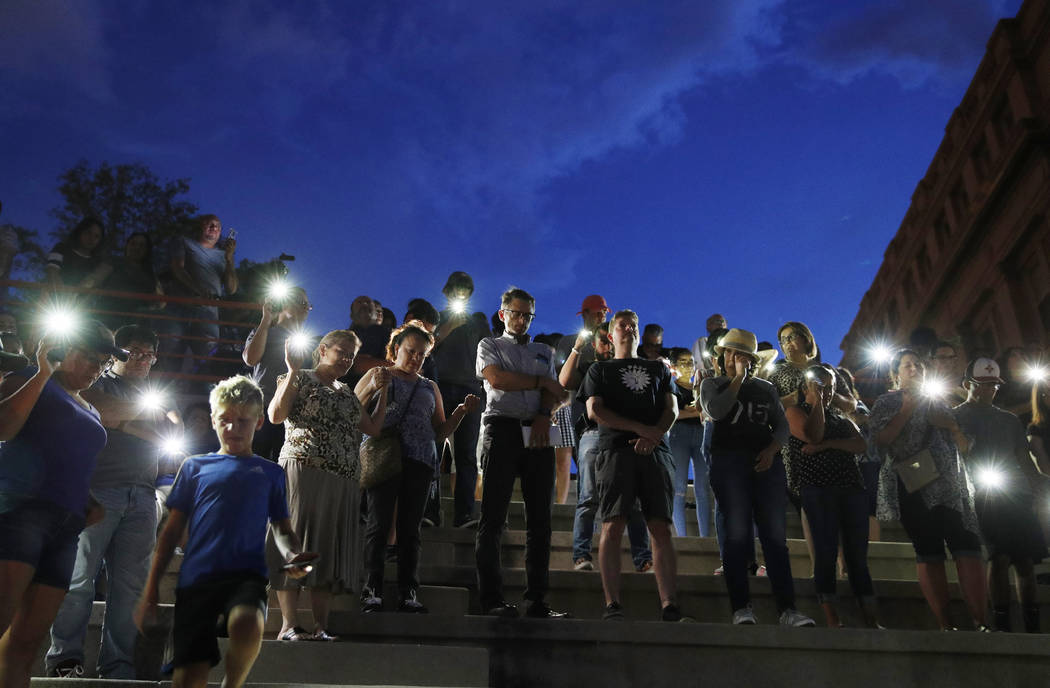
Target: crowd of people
pixel 310 474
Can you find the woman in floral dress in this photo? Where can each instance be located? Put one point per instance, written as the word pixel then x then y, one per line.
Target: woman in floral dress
pixel 323 424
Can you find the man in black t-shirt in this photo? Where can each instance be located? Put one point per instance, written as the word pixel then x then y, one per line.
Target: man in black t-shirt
pixel 632 401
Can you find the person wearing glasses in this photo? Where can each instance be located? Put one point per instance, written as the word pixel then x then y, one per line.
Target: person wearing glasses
pixel 789 376
pixel 123 482
pixel 264 352
pixel 1005 480
pixel 521 392
pixel 50 438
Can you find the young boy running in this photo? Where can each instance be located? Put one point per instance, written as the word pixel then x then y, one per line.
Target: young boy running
pixel 226 500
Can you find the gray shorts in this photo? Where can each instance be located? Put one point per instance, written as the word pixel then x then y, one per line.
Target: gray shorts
pixel 622 476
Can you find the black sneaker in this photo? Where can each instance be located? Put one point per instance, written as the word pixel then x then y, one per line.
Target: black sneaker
pixel 502 609
pixel 69 668
pixel 410 604
pixel 542 610
pixel 673 614
pixel 371 602
pixel 613 612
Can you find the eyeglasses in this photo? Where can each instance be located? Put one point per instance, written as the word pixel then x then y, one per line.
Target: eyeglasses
pixel 303 303
pixel 139 355
pixel 518 314
pixel 945 357
pixel 788 338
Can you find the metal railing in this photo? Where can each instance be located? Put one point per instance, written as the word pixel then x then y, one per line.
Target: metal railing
pixel 159 319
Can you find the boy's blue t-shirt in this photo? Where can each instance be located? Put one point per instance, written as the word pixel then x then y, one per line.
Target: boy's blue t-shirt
pixel 228 501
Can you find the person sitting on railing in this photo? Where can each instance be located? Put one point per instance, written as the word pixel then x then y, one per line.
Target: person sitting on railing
pixel 203 269
pixel 79 261
pixel 134 275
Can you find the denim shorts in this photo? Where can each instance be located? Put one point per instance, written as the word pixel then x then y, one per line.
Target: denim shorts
pixel 43 535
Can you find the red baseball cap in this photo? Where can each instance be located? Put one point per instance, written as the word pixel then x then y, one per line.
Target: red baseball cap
pixel 594 302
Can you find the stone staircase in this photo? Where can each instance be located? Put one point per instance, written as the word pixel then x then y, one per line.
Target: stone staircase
pixel 453 647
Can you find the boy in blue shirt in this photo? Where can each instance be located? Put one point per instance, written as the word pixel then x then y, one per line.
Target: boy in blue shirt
pixel 226 500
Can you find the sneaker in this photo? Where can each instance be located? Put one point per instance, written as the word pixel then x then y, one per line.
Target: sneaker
pixel 645 567
pixel 613 612
pixel 796 619
pixel 69 668
pixel 673 614
pixel 720 571
pixel 761 571
pixel 503 609
pixel 583 564
pixel 370 601
pixel 745 616
pixel 410 604
pixel 542 610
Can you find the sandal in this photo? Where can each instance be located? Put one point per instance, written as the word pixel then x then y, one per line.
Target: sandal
pixel 322 634
pixel 295 634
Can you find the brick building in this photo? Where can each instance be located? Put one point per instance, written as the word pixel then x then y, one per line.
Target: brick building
pixel 971 259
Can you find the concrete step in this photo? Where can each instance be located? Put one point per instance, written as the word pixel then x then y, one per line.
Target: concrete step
pixel 704 597
pixel 696 555
pixel 39 682
pixel 563 516
pixel 367 663
pixel 570 653
pixel 439 599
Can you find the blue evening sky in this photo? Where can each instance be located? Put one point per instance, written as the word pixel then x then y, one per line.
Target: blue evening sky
pixel 752 157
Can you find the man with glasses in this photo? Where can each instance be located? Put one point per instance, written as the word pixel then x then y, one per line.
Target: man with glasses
pixel 136 419
pixel 521 392
pixel 264 351
pixel 946 368
pixel 1005 478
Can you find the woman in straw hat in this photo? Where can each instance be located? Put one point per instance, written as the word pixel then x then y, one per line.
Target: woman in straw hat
pixel 747 472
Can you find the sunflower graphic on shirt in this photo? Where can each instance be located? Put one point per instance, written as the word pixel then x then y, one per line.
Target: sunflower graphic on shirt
pixel 635 378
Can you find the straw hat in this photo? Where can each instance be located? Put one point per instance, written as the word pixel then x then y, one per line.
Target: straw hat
pixel 746 342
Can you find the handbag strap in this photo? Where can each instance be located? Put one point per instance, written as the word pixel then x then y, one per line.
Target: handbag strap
pixel 397 425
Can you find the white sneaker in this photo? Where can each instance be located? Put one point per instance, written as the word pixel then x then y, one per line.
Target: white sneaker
pixel 745 616
pixel 792 617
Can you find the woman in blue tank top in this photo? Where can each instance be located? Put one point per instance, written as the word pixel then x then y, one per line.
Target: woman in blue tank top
pixel 51 437
pixel 415 409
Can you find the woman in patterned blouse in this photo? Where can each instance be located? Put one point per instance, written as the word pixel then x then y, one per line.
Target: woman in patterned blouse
pixel 323 424
pixel 903 424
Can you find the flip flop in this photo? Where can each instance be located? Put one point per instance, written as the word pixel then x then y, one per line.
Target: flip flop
pixel 295 634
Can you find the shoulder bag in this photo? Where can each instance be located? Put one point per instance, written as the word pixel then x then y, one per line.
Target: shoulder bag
pixel 381 455
pixel 918 470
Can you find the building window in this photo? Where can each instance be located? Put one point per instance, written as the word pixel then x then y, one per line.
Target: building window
pixel 1044 313
pixel 908 289
pixel 981 163
pixel 924 265
pixel 942 231
pixel 1003 122
pixel 960 201
pixel 893 316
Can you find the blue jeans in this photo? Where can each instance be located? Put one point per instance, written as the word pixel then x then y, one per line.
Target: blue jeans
pixel 834 510
pixel 745 495
pixel 587 508
pixel 687 443
pixel 124 539
pixel 720 519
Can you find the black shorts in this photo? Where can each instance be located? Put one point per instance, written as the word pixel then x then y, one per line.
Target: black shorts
pixel 201 611
pixel 622 476
pixel 929 529
pixel 1010 526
